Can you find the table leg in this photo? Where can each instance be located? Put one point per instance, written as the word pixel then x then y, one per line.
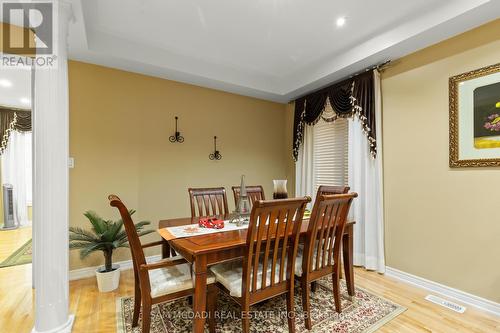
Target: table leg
pixel 200 293
pixel 165 249
pixel 347 252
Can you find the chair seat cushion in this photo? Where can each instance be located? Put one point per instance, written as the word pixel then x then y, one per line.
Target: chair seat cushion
pixel 169 280
pixel 230 275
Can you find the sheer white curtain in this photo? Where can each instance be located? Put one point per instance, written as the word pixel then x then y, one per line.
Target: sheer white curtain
pixel 16 170
pixel 365 178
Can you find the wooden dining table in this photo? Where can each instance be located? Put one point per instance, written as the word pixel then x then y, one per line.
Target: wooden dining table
pixel 209 249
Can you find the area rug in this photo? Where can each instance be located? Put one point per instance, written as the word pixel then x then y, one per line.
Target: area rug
pixel 364 313
pixel 20 257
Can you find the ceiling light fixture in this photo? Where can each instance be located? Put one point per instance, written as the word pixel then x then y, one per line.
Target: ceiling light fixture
pixel 340 21
pixel 25 101
pixel 5 83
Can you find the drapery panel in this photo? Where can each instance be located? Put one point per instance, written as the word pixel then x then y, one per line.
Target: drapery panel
pixel 12 120
pixel 353 96
pixel 366 179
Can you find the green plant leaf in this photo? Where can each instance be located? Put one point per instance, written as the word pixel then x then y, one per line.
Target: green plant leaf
pixel 79 234
pixel 142 224
pixel 79 245
pixel 91 248
pixel 144 232
pixel 98 224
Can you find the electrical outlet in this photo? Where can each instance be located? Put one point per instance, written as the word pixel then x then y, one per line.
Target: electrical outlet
pixel 71 163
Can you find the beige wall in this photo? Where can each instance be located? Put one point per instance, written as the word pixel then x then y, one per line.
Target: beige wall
pixel 119 128
pixel 441 223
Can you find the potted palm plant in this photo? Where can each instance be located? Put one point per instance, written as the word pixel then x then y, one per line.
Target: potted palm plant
pixel 105 236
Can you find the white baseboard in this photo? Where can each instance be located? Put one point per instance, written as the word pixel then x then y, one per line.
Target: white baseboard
pixel 87 272
pixel 452 293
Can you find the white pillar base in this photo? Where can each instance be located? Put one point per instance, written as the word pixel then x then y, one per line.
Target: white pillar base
pixel 66 328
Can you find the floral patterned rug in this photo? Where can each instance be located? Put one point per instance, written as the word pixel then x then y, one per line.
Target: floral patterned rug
pixel 21 256
pixel 365 313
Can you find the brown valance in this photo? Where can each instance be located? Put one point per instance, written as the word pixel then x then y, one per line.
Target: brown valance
pixel 13 120
pixel 351 97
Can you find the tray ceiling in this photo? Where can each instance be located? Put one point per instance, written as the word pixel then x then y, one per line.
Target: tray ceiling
pixel 270 49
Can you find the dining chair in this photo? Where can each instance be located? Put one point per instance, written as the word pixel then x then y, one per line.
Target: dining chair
pixel 162 281
pixel 268 263
pixel 329 189
pixel 209 201
pixel 320 255
pixel 326 190
pixel 254 193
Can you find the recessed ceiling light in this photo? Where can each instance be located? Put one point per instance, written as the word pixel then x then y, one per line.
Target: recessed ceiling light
pixel 25 101
pixel 5 83
pixel 340 21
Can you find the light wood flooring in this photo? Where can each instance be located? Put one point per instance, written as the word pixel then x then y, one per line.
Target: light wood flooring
pixel 95 312
pixel 11 240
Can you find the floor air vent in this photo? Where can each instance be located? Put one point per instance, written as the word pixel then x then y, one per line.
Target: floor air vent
pixel 447 304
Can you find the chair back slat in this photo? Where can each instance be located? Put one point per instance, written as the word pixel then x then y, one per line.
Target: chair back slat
pixel 138 257
pixel 208 201
pixel 325 230
pixel 255 193
pixel 331 243
pixel 272 242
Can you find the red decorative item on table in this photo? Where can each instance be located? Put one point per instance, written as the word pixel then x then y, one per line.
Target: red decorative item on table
pixel 211 222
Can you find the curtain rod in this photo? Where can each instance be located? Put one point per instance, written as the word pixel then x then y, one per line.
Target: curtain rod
pixel 10 108
pixel 379 67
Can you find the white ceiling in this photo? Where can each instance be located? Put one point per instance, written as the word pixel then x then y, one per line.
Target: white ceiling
pixel 271 49
pixel 15 87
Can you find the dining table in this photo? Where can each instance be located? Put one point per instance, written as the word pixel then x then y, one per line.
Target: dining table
pixel 206 250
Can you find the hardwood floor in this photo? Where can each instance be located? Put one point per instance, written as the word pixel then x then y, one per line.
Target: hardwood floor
pixel 11 240
pixel 95 312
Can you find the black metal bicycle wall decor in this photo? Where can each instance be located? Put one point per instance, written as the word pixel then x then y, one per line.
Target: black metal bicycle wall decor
pixel 216 155
pixel 177 137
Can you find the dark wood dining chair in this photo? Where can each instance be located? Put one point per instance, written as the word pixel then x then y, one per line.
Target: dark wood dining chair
pixel 335 189
pixel 320 255
pixel 162 281
pixel 254 193
pixel 327 190
pixel 272 243
pixel 209 201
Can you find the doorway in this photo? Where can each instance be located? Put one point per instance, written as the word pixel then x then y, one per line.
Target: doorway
pixel 16 193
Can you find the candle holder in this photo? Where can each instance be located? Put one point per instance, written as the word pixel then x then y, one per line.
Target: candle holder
pixel 280 191
pixel 216 155
pixel 177 137
pixel 242 213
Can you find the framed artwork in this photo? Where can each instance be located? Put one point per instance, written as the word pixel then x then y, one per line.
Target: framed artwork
pixel 475 118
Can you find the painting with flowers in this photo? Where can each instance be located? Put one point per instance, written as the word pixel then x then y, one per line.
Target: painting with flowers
pixel 475 118
pixel 487 116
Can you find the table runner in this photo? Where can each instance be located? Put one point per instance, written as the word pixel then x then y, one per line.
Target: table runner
pixel 195 230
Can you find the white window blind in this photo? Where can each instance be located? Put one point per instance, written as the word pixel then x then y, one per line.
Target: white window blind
pixel 330 152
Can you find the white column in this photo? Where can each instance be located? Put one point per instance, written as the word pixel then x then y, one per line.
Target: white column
pixel 50 208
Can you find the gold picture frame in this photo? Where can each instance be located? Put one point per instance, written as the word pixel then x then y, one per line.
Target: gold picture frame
pixel 463 117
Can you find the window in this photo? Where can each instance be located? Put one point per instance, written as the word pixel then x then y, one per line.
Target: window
pixel 323 156
pixel 330 151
